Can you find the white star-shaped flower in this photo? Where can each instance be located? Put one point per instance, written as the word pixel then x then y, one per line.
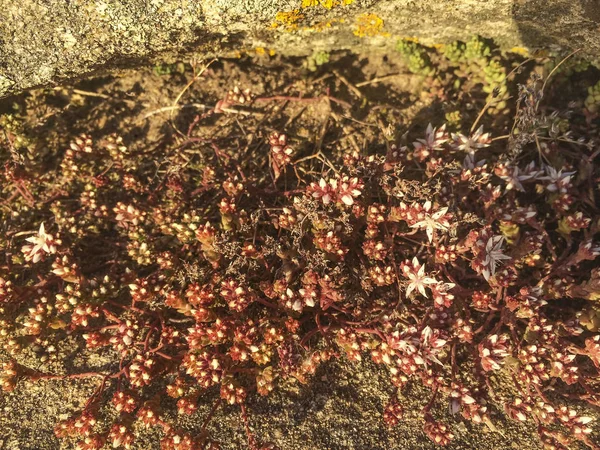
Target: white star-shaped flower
pixel 514 178
pixel 431 222
pixel 558 180
pixel 418 280
pixel 493 256
pixel 40 244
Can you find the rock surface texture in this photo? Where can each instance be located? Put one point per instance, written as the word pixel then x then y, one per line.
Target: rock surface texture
pixel 47 42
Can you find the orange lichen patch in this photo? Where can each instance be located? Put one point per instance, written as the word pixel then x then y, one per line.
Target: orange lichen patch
pixel 261 51
pixel 234 54
pixel 369 25
pixel 325 25
pixel 327 4
pixel 288 20
pixel 256 51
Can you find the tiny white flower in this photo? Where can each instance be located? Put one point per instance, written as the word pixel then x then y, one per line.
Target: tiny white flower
pixel 418 280
pixel 493 255
pixel 40 244
pixel 471 143
pixel 558 180
pixel 431 222
pixel 514 178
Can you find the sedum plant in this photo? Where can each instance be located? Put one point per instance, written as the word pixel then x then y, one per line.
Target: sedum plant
pixel 450 262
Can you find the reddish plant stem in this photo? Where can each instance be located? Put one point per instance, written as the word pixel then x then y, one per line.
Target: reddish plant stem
pixel 20 186
pixel 170 358
pixel 96 393
pixel 429 405
pixel 148 335
pixel 453 360
pixel 262 301
pixel 249 435
pixel 307 337
pixel 303 99
pixel 211 413
pixel 488 319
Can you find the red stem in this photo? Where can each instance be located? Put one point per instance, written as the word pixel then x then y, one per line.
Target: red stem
pixel 211 413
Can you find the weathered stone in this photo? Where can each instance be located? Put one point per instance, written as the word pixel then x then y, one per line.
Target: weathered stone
pixel 46 42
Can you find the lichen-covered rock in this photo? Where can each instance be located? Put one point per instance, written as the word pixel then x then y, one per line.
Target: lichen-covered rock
pixel 46 42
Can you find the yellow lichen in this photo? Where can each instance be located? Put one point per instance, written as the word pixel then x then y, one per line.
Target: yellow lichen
pixel 327 4
pixel 288 20
pixel 520 51
pixel 369 25
pixel 411 39
pixel 261 51
pixel 236 54
pixel 322 26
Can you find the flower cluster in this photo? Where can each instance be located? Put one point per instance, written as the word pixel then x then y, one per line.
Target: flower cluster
pixel 336 190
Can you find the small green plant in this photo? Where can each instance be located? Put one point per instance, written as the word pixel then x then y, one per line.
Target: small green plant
pixel 416 57
pixel 316 60
pixel 592 101
pixel 13 131
pixel 463 69
pixel 163 69
pixel 454 119
pixel 477 65
pixel 477 48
